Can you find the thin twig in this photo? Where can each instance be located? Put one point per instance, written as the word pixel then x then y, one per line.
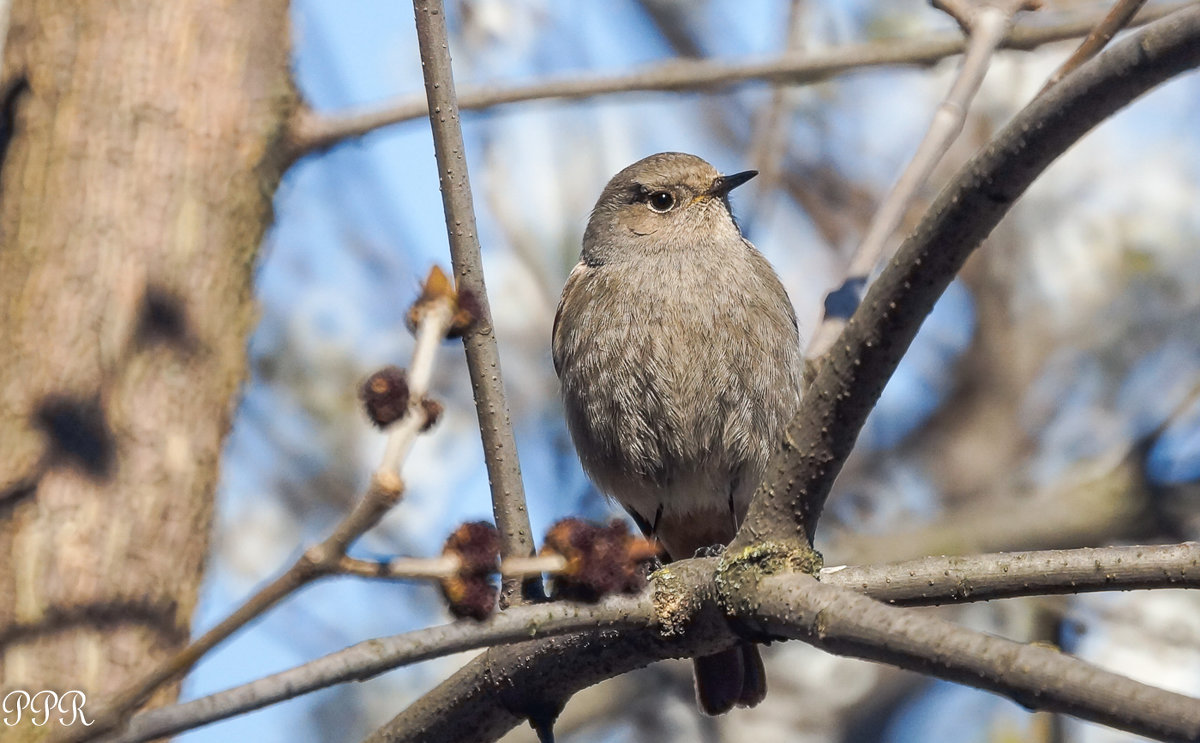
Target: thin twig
pixel 483 359
pixel 408 568
pixel 524 567
pixel 446 566
pixel 768 147
pixel 317 561
pixel 372 657
pixel 311 131
pixel 989 24
pixel 1118 17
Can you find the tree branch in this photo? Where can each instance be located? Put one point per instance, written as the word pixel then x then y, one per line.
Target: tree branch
pixel 317 561
pixel 483 358
pixel 768 145
pixel 929 581
pixel 1114 21
pixel 849 381
pixel 852 375
pixel 372 657
pixel 944 580
pixel 474 696
pixel 311 132
pixel 1037 677
pixel 989 23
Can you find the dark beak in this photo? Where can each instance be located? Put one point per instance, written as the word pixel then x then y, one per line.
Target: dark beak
pixel 723 184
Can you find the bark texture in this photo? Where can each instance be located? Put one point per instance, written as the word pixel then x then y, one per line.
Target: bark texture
pixel 141 144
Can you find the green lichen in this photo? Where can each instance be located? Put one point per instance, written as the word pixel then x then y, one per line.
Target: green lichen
pixel 739 572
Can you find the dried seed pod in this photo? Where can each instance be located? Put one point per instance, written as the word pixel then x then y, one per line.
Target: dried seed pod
pixel 385 395
pixel 470 592
pixel 465 307
pixel 600 559
pixel 467 311
pixel 433 413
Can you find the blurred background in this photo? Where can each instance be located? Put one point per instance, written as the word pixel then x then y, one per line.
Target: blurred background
pixel 1050 400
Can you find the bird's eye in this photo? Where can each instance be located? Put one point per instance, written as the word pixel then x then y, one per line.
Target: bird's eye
pixel 661 201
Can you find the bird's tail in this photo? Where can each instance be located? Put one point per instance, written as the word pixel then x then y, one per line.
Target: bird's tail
pixel 733 677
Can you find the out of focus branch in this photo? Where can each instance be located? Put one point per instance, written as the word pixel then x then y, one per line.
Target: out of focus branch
pixel 1091 505
pixel 483 358
pixel 311 131
pixel 988 24
pixel 1116 19
pixel 321 559
pixel 851 376
pixel 769 144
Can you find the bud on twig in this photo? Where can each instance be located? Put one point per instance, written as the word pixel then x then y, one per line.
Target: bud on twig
pixel 465 308
pixel 385 395
pixel 433 413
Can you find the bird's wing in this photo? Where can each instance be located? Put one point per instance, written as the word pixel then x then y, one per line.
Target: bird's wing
pixel 556 344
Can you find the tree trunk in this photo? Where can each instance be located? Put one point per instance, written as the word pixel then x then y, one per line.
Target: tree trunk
pixel 140 146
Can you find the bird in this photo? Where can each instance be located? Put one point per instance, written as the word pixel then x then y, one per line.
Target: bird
pixel 678 355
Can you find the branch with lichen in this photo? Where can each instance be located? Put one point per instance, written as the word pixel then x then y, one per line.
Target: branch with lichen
pixel 920 582
pixel 541 675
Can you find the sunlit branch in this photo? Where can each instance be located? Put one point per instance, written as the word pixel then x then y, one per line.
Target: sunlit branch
pixel 311 131
pixel 483 357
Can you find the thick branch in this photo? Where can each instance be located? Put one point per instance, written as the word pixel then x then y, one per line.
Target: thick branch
pixel 932 580
pixel 497 691
pixel 1038 677
pixel 312 132
pixel 473 695
pixel 483 359
pixel 852 375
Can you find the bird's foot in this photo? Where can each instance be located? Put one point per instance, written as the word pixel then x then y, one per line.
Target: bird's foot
pixel 715 550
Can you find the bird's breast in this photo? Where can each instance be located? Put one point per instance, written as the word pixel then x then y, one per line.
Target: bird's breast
pixel 673 370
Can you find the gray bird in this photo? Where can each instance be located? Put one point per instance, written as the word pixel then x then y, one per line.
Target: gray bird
pixel 679 357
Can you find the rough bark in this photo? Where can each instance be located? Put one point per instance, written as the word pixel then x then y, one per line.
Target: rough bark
pixel 141 144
